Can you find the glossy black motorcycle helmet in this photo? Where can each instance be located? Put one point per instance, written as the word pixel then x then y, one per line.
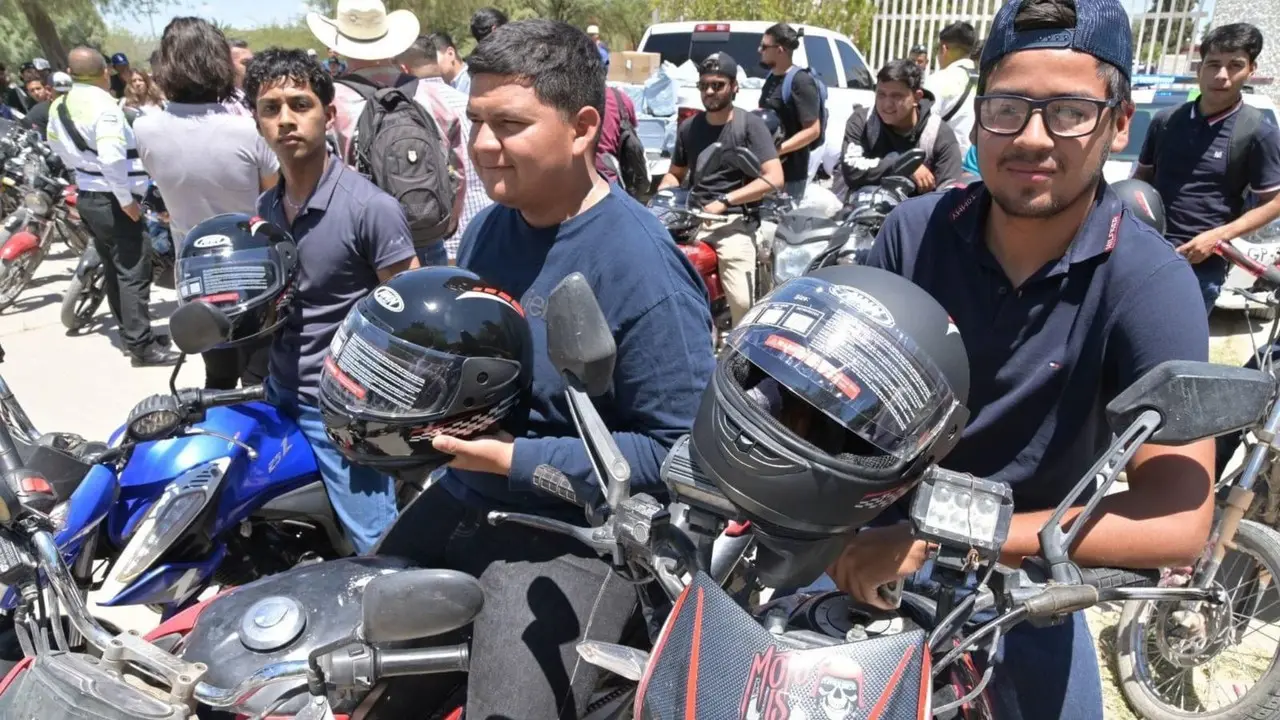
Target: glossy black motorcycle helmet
pixel 1143 201
pixel 244 266
pixel 834 395
pixel 431 351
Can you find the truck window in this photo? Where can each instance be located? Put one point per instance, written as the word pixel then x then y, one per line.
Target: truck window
pixel 818 52
pixel 855 71
pixel 673 47
pixel 680 47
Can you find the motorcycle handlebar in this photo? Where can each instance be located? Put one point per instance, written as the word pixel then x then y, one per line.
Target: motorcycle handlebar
pixel 1267 273
pixel 221 398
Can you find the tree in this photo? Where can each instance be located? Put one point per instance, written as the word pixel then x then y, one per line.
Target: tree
pixel 62 25
pixel 851 17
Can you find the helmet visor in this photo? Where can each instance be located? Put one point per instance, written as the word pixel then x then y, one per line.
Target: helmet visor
pixel 840 349
pixel 373 374
pixel 229 278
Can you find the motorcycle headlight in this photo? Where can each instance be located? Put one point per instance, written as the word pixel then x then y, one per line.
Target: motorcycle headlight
pixel 791 261
pixel 37 202
pixel 166 521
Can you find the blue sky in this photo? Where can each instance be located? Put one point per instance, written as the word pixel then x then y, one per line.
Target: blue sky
pixel 242 13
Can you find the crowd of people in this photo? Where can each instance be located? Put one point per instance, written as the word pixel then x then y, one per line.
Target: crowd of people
pixel 1062 298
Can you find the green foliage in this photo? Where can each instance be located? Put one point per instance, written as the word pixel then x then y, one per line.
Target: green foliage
pixel 78 24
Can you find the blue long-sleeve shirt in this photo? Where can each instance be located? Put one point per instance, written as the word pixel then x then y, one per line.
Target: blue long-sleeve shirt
pixel 656 305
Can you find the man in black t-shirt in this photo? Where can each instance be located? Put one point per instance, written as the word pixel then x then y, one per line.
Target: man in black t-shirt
pixel 723 189
pixel 801 113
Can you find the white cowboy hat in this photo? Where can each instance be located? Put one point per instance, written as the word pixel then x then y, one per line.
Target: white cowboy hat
pixel 364 30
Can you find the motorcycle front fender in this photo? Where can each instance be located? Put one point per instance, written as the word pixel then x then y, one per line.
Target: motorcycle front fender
pixel 19 244
pixel 89 261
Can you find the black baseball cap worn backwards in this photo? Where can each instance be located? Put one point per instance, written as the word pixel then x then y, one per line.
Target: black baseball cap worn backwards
pixel 1101 30
pixel 719 64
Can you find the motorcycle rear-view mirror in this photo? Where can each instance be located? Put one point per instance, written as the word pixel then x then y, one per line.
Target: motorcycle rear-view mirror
pixel 198 327
pixel 416 604
pixel 579 341
pixel 906 164
pixel 744 161
pixel 1195 400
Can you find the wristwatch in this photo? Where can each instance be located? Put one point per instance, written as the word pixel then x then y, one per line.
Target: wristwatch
pixel 724 198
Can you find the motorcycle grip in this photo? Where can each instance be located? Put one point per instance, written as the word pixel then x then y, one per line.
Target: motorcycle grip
pixel 1112 578
pixel 1061 599
pixel 219 398
pixel 553 482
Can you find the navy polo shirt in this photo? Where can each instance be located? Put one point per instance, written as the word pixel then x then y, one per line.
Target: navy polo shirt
pixel 346 232
pixel 1190 162
pixel 1047 356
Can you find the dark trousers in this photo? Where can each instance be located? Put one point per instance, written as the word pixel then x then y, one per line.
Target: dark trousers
pixel 126 262
pixel 226 367
pixel 543 594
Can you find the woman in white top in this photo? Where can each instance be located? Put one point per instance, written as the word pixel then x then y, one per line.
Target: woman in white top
pixel 205 159
pixel 141 94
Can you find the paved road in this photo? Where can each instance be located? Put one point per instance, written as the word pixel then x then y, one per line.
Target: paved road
pixel 82 384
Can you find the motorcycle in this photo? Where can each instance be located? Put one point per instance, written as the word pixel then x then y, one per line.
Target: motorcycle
pixel 88 286
pixel 199 487
pixel 683 219
pixel 807 240
pixel 46 213
pixel 1179 660
pixel 309 643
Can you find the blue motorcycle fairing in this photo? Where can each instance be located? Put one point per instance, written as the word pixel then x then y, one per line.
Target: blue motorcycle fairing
pixel 154 465
pixel 170 583
pixel 86 508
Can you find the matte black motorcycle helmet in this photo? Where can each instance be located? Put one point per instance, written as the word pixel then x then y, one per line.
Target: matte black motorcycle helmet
pixel 244 266
pixel 773 123
pixel 834 395
pixel 431 351
pixel 1143 201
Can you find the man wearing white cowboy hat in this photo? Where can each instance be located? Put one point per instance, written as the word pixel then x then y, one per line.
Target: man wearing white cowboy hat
pixel 371 39
pixel 593 32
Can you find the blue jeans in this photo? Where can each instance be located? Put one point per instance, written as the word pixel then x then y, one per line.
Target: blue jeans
pixel 795 188
pixel 363 499
pixel 1041 673
pixel 433 254
pixel 1212 275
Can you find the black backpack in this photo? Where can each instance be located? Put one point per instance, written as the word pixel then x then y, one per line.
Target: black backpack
pixel 1243 133
pixel 633 167
pixel 398 146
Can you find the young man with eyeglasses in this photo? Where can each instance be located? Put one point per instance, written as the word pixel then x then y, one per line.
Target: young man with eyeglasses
pixel 1189 157
pixel 1063 300
pixel 800 114
pixel 726 190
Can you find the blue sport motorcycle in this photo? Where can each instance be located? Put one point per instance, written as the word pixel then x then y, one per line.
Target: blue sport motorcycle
pixel 198 488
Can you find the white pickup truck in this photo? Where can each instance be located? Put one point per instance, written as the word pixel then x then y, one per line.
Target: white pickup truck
pixel 829 55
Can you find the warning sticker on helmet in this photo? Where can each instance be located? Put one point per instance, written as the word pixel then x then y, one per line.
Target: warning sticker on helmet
pixel 222 278
pixel 842 352
pixel 343 379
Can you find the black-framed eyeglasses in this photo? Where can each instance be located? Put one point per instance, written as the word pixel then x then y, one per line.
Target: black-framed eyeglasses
pixel 1064 117
pixel 712 85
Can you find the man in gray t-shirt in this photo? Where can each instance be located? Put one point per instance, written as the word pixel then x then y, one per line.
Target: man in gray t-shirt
pixel 206 161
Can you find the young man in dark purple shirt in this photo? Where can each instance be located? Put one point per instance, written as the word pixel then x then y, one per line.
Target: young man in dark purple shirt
pixel 351 236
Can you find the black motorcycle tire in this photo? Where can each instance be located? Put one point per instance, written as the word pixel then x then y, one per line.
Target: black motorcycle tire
pixel 16 275
pixel 83 297
pixel 1261 701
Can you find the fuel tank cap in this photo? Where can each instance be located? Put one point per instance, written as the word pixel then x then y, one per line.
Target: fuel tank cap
pixel 271 623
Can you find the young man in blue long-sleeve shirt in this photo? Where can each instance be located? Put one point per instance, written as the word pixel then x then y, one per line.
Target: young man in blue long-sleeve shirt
pixel 537 97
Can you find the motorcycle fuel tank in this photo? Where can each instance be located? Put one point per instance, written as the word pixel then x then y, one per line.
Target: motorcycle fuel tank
pixel 281 618
pixel 284 462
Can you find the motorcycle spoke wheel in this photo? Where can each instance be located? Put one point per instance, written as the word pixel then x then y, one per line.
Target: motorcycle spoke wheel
pixel 82 300
pixel 1178 660
pixel 14 277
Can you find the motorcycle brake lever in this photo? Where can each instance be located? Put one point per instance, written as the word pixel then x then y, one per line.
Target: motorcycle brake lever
pixel 601 539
